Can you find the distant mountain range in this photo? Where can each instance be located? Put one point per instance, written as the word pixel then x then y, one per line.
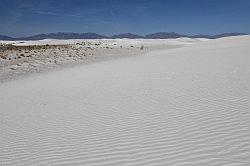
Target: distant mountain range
pixel 158 35
pixel 126 35
pixel 63 35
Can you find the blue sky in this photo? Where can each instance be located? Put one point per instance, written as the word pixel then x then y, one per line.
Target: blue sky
pixel 108 17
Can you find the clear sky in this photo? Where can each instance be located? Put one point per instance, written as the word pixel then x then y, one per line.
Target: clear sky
pixel 27 17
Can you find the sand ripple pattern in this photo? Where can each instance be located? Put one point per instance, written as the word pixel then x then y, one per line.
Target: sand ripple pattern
pixel 188 106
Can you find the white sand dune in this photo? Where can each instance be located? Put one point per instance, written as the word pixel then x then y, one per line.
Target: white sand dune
pixel 124 42
pixel 20 58
pixel 184 106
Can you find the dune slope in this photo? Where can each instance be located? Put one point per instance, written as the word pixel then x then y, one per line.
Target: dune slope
pixel 185 106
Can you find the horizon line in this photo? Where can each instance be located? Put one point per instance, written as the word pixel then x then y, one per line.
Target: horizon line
pixel 67 32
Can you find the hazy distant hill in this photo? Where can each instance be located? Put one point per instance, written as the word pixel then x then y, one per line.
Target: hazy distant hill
pixel 202 36
pixel 228 34
pixel 173 35
pixel 218 35
pixel 6 38
pixel 126 35
pixel 164 35
pixel 158 35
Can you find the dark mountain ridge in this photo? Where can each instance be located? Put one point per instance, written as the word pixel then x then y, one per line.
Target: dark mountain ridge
pixel 158 35
pixel 64 35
